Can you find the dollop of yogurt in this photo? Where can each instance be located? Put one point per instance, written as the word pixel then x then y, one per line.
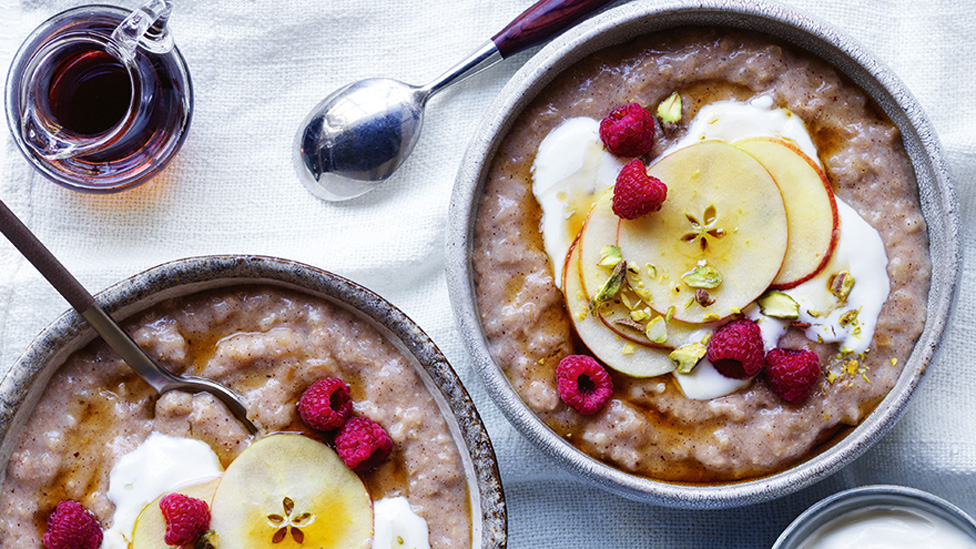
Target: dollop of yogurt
pixel 570 172
pixel 890 528
pixel 734 120
pixel 860 251
pixel 160 464
pixel 397 526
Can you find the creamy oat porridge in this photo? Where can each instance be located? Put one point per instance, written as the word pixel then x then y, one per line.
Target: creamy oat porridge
pixel 268 344
pixel 667 426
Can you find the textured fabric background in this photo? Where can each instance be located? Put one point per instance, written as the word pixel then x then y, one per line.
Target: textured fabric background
pixel 258 66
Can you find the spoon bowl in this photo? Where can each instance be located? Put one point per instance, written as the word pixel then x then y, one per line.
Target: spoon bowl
pixel 358 136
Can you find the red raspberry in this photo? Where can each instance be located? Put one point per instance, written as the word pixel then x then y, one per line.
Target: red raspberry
pixel 186 518
pixel 363 444
pixel 792 374
pixel 583 384
pixel 325 405
pixel 736 350
pixel 637 194
pixel 71 526
pixel 628 130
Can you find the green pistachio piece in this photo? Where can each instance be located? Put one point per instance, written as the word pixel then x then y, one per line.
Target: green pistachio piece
pixel 657 330
pixel 669 314
pixel 703 276
pixel 670 109
pixel 611 289
pixel 610 256
pixel 848 318
pixel 687 357
pixel 206 541
pixel 778 305
pixel 841 285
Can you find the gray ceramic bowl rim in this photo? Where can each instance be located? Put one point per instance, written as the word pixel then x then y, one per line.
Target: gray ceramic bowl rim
pixel 881 495
pixel 70 332
pixel 937 197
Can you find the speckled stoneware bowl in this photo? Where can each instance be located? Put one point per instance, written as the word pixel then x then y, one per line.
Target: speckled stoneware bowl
pixel 22 387
pixel 619 25
pixel 859 500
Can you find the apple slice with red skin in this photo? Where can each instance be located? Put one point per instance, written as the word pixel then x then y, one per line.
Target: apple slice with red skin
pixel 811 209
pixel 604 343
pixel 724 211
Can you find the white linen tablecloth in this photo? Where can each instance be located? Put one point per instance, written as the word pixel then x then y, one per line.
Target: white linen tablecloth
pixel 258 67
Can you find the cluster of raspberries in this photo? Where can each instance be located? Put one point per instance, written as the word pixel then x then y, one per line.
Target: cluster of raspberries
pixel 736 350
pixel 71 526
pixel 628 131
pixel 361 443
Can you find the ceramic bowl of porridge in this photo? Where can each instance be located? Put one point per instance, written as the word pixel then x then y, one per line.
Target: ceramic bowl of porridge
pixel 703 253
pixel 362 423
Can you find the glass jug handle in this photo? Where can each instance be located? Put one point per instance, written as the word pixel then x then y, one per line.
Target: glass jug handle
pixel 145 27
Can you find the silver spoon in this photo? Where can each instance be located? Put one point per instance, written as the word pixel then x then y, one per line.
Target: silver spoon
pixel 68 286
pixel 361 133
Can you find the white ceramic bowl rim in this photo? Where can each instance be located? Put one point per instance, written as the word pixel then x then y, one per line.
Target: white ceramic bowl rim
pixel 938 201
pixel 880 495
pixel 22 385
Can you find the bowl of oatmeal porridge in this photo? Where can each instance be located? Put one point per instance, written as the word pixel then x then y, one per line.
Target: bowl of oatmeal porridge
pixel 78 425
pixel 747 100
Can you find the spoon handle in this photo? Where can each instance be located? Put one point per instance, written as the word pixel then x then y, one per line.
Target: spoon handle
pixel 545 19
pixel 34 250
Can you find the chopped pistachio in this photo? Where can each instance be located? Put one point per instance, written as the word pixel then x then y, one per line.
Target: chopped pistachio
pixel 645 295
pixel 208 540
pixel 894 361
pixel 735 310
pixel 639 316
pixel 629 324
pixel 628 349
pixel 711 317
pixel 657 330
pixel 690 302
pixel 702 297
pixel 814 314
pixel 669 314
pixel 841 285
pixel 670 109
pixel 831 377
pixel 706 338
pixel 848 318
pixel 651 271
pixel 703 276
pixel 687 357
pixel 851 367
pixel 627 303
pixel 779 305
pixel 611 288
pixel 610 256
pixel 633 277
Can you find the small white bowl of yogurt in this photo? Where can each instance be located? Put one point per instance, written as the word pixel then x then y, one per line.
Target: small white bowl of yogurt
pixel 881 516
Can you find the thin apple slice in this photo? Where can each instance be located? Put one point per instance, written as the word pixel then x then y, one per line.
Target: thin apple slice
pixel 287 491
pixel 724 212
pixel 811 210
pixel 609 347
pixel 599 231
pixel 150 528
